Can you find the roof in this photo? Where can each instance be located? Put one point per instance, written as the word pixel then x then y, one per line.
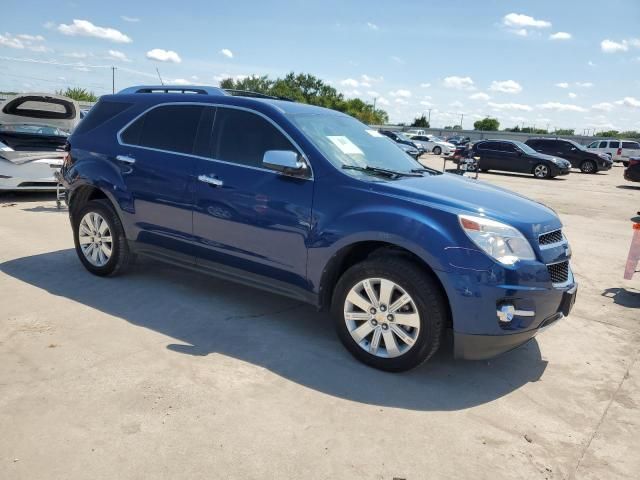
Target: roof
pixel 207 94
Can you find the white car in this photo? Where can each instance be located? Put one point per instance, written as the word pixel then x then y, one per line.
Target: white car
pixel 434 144
pixel 33 131
pixel 618 150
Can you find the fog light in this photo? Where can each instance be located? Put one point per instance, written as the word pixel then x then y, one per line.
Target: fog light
pixel 506 312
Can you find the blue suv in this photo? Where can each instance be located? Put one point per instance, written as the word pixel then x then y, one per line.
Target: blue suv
pixel 312 204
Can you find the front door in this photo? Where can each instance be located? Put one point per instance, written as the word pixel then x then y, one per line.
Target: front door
pixel 249 218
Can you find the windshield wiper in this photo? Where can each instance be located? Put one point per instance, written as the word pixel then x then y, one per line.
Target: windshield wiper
pixel 426 170
pixel 383 171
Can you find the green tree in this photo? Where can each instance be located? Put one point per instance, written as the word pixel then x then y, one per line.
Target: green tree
pixel 565 131
pixel 79 94
pixel 513 129
pixel 306 88
pixel 608 133
pixel 487 124
pixel 421 121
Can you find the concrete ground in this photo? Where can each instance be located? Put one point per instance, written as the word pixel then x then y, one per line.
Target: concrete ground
pixel 165 373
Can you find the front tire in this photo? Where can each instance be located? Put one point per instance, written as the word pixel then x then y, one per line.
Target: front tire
pixel 541 171
pixel 389 313
pixel 588 166
pixel 437 150
pixel 99 239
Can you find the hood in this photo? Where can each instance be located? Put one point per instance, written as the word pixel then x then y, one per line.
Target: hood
pixel 42 109
pixel 459 194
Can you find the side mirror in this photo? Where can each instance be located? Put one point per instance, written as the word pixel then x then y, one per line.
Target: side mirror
pixel 573 149
pixel 284 161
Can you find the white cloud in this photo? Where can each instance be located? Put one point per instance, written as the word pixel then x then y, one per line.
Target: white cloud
pixel 584 84
pixel 163 55
pixel 561 107
pixel 591 64
pixel 372 26
pixel 459 83
pixel 521 32
pixel 510 106
pixel 401 101
pixel 629 102
pixel 82 69
pixel 365 81
pixel 562 85
pixel 560 36
pixel 400 93
pixel 117 55
pixel 603 107
pixel 479 96
pixel 368 79
pixel 520 20
pixel 426 103
pixel 572 95
pixel 397 60
pixel 425 85
pixel 505 86
pixel 85 28
pixel 227 53
pixel 76 55
pixel 353 93
pixel 383 101
pixel 222 76
pixel 349 82
pixel 373 93
pixel 23 41
pixel 609 46
pixel 456 104
pixel 180 81
pixel 129 19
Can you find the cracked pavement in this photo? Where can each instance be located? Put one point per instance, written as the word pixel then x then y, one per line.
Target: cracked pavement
pixel 166 373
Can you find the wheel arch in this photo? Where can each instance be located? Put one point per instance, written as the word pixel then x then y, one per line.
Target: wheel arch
pixel 82 194
pixel 354 253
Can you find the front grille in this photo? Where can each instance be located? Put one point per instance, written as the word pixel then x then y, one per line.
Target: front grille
pixel 551 237
pixel 559 272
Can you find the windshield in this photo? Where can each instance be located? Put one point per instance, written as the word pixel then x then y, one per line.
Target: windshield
pixel 577 145
pixel 437 139
pixel 343 140
pixel 524 147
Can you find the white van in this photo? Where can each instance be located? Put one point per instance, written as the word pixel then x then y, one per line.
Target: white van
pixel 619 150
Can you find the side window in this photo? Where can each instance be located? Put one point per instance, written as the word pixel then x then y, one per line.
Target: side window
pixel 631 145
pixel 593 145
pixel 603 145
pixel 488 146
pixel 507 147
pixel 243 137
pixel 535 144
pixel 170 127
pixel 614 144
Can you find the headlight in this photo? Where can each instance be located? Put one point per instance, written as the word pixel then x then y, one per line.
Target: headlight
pixel 498 240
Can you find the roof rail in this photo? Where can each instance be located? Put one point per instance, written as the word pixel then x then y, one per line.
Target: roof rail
pixel 192 89
pixel 249 93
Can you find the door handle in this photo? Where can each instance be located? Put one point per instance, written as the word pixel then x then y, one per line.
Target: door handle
pixel 126 159
pixel 216 182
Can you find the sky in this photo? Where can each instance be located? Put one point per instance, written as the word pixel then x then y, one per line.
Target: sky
pixel 552 64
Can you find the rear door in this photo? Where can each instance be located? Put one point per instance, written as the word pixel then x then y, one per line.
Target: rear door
pixel 156 158
pixel 488 153
pixel 248 217
pixel 512 159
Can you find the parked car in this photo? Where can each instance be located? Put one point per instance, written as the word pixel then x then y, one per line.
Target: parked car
pixel 433 144
pixel 45 109
pixel 458 140
pixel 632 172
pixel 28 171
pixel 332 214
pixel 618 150
pixel 400 137
pixel 416 131
pixel 514 156
pixel 409 150
pixel 578 155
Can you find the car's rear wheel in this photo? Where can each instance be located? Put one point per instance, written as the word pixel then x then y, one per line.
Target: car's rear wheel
pixel 588 166
pixel 437 150
pixel 99 239
pixel 541 171
pixel 389 313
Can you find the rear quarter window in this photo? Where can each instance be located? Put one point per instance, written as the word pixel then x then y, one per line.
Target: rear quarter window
pixel 99 114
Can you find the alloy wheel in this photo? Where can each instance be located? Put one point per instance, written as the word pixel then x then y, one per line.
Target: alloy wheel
pixel 381 317
pixel 541 171
pixel 94 237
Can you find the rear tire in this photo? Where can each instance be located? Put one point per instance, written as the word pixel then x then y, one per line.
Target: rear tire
pixel 99 239
pixel 410 313
pixel 588 166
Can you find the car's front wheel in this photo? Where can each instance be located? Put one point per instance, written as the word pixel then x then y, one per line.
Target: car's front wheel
pixel 389 313
pixel 99 239
pixel 437 150
pixel 541 171
pixel 588 166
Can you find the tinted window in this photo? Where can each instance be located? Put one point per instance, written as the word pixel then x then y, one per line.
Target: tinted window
pixel 633 145
pixel 507 147
pixel 602 145
pixel 243 137
pixel 614 144
pixel 488 146
pixel 170 127
pixel 100 113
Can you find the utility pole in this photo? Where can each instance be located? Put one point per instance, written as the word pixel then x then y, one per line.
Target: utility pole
pixel 374 104
pixel 161 82
pixel 113 79
pixel 461 117
pixel 429 119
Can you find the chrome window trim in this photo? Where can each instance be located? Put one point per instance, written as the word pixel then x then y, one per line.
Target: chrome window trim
pixel 200 157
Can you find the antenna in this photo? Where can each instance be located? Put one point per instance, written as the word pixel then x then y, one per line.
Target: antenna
pixel 161 82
